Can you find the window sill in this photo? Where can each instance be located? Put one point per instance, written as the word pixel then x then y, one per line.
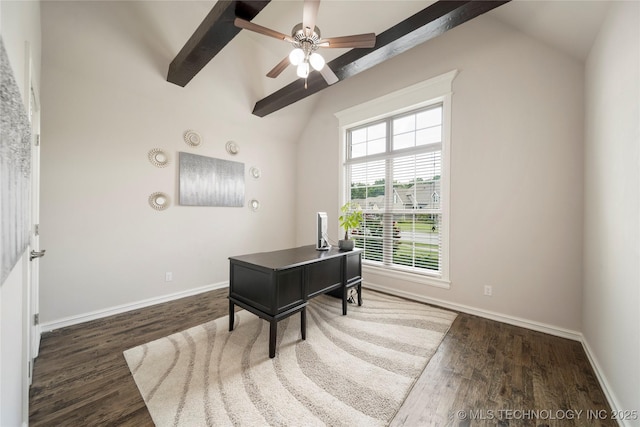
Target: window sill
pixel 399 274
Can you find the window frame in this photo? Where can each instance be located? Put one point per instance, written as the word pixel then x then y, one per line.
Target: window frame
pixel 437 90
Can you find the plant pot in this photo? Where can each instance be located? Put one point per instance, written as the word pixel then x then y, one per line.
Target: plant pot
pixel 346 245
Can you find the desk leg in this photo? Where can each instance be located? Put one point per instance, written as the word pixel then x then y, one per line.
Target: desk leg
pixel 273 332
pixel 231 316
pixel 345 291
pixel 360 293
pixel 303 323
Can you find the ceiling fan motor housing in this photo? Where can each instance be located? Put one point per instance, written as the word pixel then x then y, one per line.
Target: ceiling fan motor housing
pixel 306 42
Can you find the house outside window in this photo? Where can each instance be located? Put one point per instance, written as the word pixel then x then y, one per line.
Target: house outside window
pixel 395 167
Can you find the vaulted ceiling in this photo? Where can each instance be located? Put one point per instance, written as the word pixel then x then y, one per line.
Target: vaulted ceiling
pixel 568 25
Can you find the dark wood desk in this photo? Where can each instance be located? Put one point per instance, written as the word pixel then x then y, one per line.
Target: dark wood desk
pixel 276 285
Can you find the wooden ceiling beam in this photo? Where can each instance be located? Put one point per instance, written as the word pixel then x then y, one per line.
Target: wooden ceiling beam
pixel 430 22
pixel 213 34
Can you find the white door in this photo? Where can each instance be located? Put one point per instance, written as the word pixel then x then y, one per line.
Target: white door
pixel 36 253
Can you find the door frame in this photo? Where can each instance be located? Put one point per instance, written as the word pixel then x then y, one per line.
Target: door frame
pixel 31 274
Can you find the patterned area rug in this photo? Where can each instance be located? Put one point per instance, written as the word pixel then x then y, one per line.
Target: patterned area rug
pixel 351 370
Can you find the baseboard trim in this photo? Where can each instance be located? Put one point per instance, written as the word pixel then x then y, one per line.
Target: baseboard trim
pixel 499 317
pixel 604 384
pixel 511 320
pixel 99 314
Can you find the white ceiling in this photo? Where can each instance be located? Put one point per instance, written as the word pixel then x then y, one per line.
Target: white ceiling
pixel 569 25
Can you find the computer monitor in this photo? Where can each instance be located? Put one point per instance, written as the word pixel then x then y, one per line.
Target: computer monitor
pixel 322 240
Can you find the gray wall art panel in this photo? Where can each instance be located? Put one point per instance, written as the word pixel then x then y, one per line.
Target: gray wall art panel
pixel 205 181
pixel 15 170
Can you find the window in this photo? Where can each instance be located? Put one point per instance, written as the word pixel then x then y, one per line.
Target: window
pixel 393 171
pixel 396 169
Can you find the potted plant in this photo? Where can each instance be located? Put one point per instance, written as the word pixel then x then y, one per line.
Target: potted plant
pixel 349 220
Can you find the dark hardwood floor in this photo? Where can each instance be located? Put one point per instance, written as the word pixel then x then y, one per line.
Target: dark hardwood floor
pixel 485 373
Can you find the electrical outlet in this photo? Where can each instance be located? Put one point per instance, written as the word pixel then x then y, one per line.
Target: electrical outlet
pixel 168 276
pixel 488 291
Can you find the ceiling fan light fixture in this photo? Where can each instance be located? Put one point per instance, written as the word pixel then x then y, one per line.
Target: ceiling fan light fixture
pixel 305 39
pixel 303 70
pixel 296 56
pixel 317 61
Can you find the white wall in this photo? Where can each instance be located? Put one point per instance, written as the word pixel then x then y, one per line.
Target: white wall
pixel 19 23
pixel 516 170
pixel 611 303
pixel 106 103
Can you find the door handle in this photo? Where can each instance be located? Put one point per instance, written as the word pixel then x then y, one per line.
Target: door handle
pixel 36 254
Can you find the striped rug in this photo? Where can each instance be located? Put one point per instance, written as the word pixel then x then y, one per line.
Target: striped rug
pixel 351 370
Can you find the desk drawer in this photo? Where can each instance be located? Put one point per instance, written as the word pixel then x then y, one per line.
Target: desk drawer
pixel 323 276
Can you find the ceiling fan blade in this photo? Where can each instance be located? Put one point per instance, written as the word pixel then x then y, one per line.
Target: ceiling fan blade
pixel 329 76
pixel 275 71
pixel 241 23
pixel 356 40
pixel 309 14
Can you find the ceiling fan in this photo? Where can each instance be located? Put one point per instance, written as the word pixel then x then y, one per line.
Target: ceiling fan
pixel 305 38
